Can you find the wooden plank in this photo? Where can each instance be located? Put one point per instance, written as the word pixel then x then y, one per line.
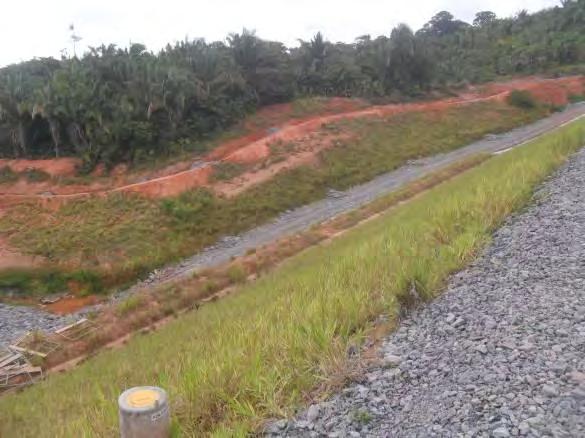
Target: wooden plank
pixel 70 326
pixel 26 350
pixel 9 359
pixel 24 369
pixel 14 365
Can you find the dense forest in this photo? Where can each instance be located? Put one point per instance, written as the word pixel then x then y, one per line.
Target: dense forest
pixel 113 104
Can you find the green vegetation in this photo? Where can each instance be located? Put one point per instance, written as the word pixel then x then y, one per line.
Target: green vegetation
pixel 132 105
pixel 549 40
pixel 226 171
pixel 35 175
pixel 119 237
pixel 45 281
pixel 236 274
pixel 7 175
pixel 362 417
pixel 254 354
pixel 521 99
pixel 128 305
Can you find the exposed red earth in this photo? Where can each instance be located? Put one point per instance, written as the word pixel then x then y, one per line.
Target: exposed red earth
pixel 255 146
pixel 273 142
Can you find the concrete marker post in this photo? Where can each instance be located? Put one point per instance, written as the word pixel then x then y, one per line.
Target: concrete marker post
pixel 144 413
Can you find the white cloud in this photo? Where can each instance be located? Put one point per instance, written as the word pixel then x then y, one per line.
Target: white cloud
pixel 40 28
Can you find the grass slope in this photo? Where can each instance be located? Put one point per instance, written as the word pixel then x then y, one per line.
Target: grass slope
pixel 116 239
pixel 252 355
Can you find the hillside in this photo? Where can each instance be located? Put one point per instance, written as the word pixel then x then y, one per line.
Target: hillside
pixel 90 244
pixel 256 354
pixel 129 105
pixel 382 237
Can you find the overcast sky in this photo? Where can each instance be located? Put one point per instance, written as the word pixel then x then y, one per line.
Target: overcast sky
pixel 37 28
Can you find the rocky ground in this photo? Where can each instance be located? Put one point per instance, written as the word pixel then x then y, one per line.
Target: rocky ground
pixel 501 353
pixel 17 320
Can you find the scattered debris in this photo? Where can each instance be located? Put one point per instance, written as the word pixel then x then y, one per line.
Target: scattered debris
pixel 198 164
pixel 77 330
pixel 52 299
pixel 16 370
pixel 335 194
pixel 36 344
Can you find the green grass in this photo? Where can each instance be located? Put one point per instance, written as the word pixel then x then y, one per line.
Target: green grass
pixel 36 175
pixel 129 304
pixel 44 281
pixel 122 237
pixel 308 106
pixel 7 175
pixel 254 354
pixel 521 99
pixel 226 171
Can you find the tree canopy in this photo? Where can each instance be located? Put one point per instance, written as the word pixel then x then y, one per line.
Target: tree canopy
pixel 123 104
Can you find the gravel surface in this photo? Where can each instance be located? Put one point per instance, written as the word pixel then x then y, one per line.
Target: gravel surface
pixel 14 322
pixel 17 320
pixel 501 353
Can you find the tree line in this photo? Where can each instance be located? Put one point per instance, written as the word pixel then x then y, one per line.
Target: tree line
pixel 125 104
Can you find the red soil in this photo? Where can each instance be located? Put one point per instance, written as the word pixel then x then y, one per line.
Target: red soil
pixel 54 167
pixel 70 304
pixel 10 258
pixel 256 146
pixel 551 91
pixel 255 150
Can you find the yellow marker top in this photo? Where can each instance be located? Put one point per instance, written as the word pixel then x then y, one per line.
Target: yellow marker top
pixel 143 399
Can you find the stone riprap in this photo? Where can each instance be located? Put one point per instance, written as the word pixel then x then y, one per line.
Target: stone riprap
pixel 500 353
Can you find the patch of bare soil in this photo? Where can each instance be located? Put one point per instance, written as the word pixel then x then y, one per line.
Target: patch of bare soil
pixel 11 258
pixel 279 157
pixel 53 167
pixel 71 304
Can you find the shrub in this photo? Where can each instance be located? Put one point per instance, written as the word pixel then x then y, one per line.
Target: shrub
pixel 236 274
pixel 189 207
pixel 36 175
pixel 226 171
pixel 209 287
pixel 91 282
pixel 521 99
pixel 31 282
pixel 129 304
pixel 576 98
pixel 7 175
